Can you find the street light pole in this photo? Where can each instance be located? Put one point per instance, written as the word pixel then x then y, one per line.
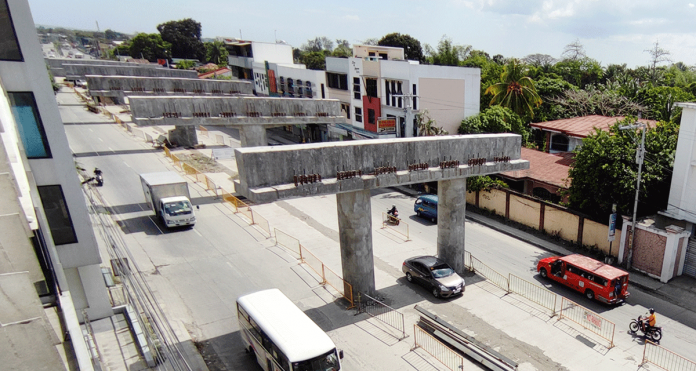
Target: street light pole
pixel 640 154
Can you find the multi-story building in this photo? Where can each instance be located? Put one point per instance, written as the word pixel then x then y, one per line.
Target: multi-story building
pixel 381 92
pixel 45 228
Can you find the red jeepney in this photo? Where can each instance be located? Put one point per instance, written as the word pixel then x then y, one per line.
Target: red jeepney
pixel 591 277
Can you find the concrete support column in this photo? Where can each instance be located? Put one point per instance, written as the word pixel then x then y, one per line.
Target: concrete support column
pixel 355 231
pixel 253 136
pixel 184 136
pixel 451 211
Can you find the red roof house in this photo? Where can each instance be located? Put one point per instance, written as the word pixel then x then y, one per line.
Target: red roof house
pixel 546 175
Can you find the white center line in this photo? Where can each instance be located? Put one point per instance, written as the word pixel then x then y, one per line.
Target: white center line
pixel 101 139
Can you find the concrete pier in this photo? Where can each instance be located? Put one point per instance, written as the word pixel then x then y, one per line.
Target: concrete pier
pixel 355 232
pixel 253 136
pixel 451 212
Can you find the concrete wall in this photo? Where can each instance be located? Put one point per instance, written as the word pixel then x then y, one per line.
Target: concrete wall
pixel 249 110
pixel 439 96
pixel 316 78
pixel 682 198
pixel 118 86
pixel 564 224
pixel 522 209
pixel 79 71
pixel 595 234
pixel 362 51
pixel 272 52
pixel 494 201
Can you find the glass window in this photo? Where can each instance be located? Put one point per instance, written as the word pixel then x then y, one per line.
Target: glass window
pixel 57 214
pixel 370 116
pixel 356 88
pixel 358 114
pixel 29 125
pixel 9 46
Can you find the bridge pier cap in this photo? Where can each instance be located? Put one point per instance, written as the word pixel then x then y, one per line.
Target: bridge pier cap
pixel 267 174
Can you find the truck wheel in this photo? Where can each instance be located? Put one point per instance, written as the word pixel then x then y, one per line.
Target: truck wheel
pixel 543 273
pixel 589 294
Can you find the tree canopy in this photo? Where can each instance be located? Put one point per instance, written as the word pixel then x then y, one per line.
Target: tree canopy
pixel 412 47
pixel 496 119
pixel 150 46
pixel 215 52
pixel 605 170
pixel 515 90
pixel 184 37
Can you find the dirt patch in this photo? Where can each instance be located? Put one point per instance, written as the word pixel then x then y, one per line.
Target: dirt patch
pixel 202 162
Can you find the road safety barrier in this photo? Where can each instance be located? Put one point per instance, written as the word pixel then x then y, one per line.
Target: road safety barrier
pixel 328 276
pixel 203 130
pixel 490 274
pixel 386 314
pixel 467 261
pixel 219 139
pixel 533 293
pixel 443 353
pixel 262 222
pixel 401 228
pixel 666 359
pixel 587 319
pixel 193 172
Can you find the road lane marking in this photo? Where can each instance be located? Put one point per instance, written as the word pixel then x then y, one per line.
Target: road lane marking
pixel 198 233
pixel 153 222
pixel 101 139
pixel 111 149
pixel 125 163
pixel 91 130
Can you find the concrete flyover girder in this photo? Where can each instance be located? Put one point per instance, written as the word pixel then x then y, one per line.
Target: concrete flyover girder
pixel 79 71
pixel 121 86
pixel 267 174
pixel 233 111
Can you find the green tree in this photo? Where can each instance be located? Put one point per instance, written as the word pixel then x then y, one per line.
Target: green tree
pixel 594 101
pixel 215 52
pixel 660 102
pixel 515 90
pixel 184 37
pixel 343 49
pixel 496 119
pixel 427 126
pixel 149 46
pixel 318 44
pixel 447 53
pixel 412 47
pixel 579 72
pixel 314 60
pixel 122 50
pixel 185 65
pixel 605 171
pixel 550 89
pixel 483 183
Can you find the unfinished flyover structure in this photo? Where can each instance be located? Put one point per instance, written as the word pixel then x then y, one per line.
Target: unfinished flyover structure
pixel 351 169
pixel 251 115
pixel 117 88
pixel 75 72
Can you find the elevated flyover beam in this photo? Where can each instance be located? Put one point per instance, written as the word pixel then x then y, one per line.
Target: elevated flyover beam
pixel 233 111
pixel 79 71
pixel 121 86
pixel 267 174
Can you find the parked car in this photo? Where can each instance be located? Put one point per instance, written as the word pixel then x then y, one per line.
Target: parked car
pixel 434 274
pixel 426 207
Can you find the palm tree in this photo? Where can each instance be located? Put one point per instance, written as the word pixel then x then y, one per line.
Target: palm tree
pixel 426 125
pixel 515 90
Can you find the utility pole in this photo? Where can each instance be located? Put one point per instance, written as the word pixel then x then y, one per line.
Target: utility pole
pixel 640 155
pixel 408 99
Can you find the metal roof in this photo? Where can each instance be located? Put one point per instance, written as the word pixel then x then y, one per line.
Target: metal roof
pixel 550 168
pixel 581 127
pixel 594 266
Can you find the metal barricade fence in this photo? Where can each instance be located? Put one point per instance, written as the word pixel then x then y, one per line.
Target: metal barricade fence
pixel 666 359
pixel 340 285
pixel 245 210
pixel 262 223
pixel 388 315
pixel 467 261
pixel 211 186
pixel 448 357
pixel 138 133
pixel 219 139
pixel 401 228
pixel 313 262
pixel 226 196
pixel 204 131
pixel 148 138
pixel 289 242
pixel 587 319
pixel 534 293
pixel 175 159
pixel 167 152
pixel 490 274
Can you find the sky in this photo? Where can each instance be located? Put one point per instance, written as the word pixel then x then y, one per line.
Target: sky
pixel 612 32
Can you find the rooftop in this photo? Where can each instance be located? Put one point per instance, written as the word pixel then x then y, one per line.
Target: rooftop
pixel 581 127
pixel 551 168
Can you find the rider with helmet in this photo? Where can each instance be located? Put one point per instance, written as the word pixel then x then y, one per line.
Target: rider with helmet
pixel 650 321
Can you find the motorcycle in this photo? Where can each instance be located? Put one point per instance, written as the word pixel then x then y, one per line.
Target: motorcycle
pixel 393 217
pixel 653 333
pixel 98 178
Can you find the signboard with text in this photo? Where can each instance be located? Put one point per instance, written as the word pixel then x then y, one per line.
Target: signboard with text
pixel 385 126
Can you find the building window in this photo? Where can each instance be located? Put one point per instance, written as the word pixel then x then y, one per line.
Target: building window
pixel 358 114
pixel 29 125
pixel 387 93
pixel 281 88
pixel 337 80
pixel 346 108
pixel 559 143
pixel 300 92
pixel 9 45
pixel 370 116
pixel 399 100
pixel 383 56
pixel 371 88
pixel 415 106
pixel 356 87
pixel 57 214
pixel 291 88
pixel 308 89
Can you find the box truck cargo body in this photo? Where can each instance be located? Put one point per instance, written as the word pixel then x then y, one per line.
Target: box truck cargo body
pixel 168 195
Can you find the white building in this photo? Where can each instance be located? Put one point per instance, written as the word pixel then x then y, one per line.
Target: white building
pixel 45 227
pixel 381 92
pixel 682 194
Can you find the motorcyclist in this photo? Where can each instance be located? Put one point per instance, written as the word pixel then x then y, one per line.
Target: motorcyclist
pixel 650 320
pixel 393 211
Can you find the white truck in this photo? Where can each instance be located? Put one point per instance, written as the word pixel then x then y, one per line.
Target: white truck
pixel 167 194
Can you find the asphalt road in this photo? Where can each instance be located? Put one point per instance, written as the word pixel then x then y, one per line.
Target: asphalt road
pixel 198 273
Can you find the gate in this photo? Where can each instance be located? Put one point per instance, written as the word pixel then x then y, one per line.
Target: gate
pixel 690 260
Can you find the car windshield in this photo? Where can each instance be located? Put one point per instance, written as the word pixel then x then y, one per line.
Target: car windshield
pixel 326 362
pixel 441 271
pixel 178 208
